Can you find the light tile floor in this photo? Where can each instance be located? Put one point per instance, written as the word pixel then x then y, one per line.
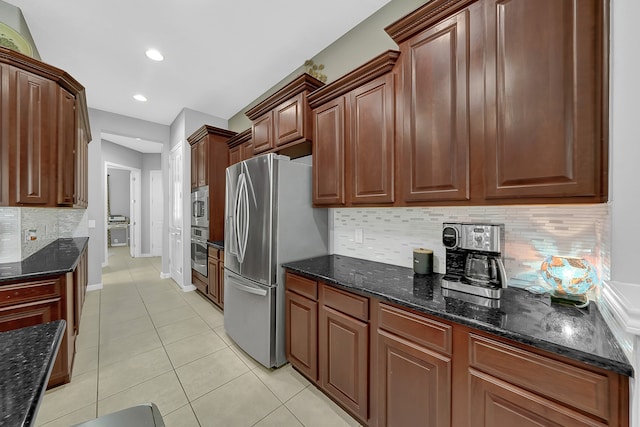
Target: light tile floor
pixel 144 340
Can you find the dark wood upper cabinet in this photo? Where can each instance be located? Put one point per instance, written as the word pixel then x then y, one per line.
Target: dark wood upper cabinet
pixel 434 154
pixel 209 161
pixel 283 121
pixel 199 166
pixel 545 99
pixel 329 153
pixel 262 135
pixel 44 117
pixel 354 136
pixel 67 149
pixel 372 141
pixel 240 147
pixel 35 137
pixel 289 120
pixel 503 102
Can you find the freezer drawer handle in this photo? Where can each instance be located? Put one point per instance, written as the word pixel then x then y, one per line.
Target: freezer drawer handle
pixel 250 289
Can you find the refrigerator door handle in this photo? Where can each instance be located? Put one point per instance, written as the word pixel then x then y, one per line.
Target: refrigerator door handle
pixel 245 201
pixel 239 216
pixel 245 288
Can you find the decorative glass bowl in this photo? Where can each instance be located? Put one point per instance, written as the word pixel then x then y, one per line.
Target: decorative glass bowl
pixel 569 277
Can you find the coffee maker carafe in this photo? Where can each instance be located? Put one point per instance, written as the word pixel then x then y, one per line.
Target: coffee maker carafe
pixel 474 258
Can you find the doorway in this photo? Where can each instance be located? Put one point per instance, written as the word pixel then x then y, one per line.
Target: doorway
pixel 122 204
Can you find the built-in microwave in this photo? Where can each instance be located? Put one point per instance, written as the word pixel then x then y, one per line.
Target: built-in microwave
pixel 200 207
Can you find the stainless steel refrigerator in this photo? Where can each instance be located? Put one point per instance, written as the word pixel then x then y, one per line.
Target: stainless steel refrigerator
pixel 269 220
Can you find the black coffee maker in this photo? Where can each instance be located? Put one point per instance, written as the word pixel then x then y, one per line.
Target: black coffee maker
pixel 474 259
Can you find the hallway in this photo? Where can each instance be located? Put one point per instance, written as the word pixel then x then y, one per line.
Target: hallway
pixel 144 340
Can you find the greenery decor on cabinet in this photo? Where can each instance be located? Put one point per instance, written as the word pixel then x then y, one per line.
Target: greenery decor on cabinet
pixel 45 133
pixel 315 70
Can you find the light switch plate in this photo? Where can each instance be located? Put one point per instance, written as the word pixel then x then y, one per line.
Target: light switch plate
pixel 359 237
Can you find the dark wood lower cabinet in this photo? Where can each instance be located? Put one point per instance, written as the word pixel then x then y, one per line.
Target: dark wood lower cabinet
pixel 302 334
pixel 29 303
pixel 391 366
pixel 414 386
pixel 215 286
pixel 344 356
pixel 496 403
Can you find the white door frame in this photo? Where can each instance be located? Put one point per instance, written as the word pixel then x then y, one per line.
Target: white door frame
pixel 176 229
pixel 135 213
pixel 155 174
pixel 135 206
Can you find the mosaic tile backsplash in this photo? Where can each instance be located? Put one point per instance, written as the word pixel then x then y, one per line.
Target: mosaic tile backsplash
pixel 46 224
pixel 532 233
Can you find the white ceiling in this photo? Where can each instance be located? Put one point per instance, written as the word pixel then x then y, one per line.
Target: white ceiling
pixel 136 144
pixel 219 55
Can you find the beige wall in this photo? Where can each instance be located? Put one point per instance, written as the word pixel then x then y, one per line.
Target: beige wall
pixel 356 47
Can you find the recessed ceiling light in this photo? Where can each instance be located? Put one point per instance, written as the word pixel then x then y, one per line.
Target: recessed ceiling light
pixel 154 54
pixel 140 97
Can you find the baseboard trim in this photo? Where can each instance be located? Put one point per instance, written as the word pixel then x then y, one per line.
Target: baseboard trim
pixel 188 288
pixel 165 275
pixel 144 256
pixel 95 287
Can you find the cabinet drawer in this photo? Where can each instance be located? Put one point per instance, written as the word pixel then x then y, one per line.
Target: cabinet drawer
pixel 30 291
pixel 580 388
pixel 421 330
pixel 346 302
pixel 213 252
pixel 303 286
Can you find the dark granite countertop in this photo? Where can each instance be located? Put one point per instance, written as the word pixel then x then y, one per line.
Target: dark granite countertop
pixel 218 244
pixel 579 334
pixel 26 359
pixel 58 257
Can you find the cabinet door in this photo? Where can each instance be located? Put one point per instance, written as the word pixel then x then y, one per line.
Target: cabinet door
pixel 35 138
pixel 414 384
pixel 235 156
pixel 194 166
pixel 214 280
pixel 328 153
pixel 247 150
pixel 301 331
pixel 344 359
pixel 4 137
pixel 544 99
pixel 81 173
pixel 202 176
pixel 434 154
pixel 23 315
pixel 289 120
pixel 262 133
pixel 67 149
pixel 495 403
pixel 371 142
